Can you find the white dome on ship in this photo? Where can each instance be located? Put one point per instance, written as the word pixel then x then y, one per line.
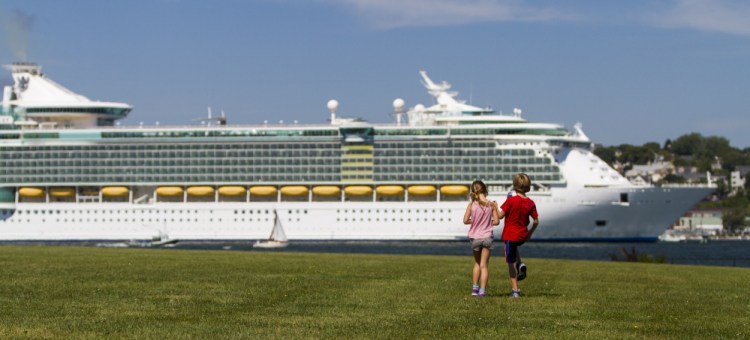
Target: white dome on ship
pixel 333 105
pixel 398 104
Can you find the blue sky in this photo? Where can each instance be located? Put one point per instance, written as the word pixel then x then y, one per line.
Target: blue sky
pixel 630 71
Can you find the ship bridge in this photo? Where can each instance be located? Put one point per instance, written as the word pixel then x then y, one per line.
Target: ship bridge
pixel 35 100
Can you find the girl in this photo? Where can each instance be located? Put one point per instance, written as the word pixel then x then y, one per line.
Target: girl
pixel 517 209
pixel 481 214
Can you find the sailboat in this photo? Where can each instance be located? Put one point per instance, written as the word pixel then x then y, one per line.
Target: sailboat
pixel 278 237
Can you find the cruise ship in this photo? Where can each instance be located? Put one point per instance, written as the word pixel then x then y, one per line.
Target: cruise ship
pixel 69 171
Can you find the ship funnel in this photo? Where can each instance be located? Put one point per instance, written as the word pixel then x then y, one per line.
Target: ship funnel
pixel 7 97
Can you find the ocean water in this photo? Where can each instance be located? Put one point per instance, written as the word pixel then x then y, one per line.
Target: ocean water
pixel 713 253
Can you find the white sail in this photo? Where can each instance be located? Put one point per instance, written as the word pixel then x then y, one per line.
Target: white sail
pixel 278 234
pixel 277 239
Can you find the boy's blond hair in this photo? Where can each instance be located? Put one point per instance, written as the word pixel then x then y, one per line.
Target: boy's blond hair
pixel 521 183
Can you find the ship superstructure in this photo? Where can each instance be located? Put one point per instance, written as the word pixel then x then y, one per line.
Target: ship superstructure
pixel 66 172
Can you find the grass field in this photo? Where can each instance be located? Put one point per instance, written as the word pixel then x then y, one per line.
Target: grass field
pixel 65 292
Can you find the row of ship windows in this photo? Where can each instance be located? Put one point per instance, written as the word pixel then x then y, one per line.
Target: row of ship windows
pixel 107 212
pixel 467 177
pixel 174 134
pixel 187 171
pixel 295 133
pixel 446 153
pixel 290 169
pixel 464 160
pixel 221 133
pixel 451 152
pixel 119 220
pixel 308 161
pixel 433 145
pixel 218 147
pixel 393 219
pixel 471 131
pixel 264 156
pixel 168 178
pixel 390 211
pixel 248 147
pixel 187 211
pixel 170 163
pixel 167 211
pixel 245 149
pixel 282 174
pixel 361 219
pixel 187 154
pixel 285 178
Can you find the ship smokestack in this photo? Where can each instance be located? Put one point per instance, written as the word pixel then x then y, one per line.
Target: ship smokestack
pixel 7 97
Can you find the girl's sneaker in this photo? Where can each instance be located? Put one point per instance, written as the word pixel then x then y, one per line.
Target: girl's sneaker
pixel 474 291
pixel 515 293
pixel 482 293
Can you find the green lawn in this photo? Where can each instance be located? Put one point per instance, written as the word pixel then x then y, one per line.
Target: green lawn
pixel 64 292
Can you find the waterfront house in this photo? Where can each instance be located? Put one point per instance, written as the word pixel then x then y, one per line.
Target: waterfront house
pixel 707 221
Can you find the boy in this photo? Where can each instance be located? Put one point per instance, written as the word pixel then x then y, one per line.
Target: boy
pixel 517 210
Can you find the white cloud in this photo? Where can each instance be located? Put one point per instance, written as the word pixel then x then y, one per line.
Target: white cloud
pixel 712 15
pixel 388 14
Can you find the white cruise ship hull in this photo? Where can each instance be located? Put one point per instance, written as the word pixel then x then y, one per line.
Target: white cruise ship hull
pixel 600 216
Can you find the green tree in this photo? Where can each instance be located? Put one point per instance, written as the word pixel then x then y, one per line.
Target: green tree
pixel 635 154
pixel 672 178
pixel 668 145
pixel 733 219
pixel 606 153
pixel 687 145
pixel 652 147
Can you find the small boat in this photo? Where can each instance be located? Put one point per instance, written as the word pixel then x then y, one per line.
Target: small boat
pixel 668 236
pixel 278 237
pixel 163 240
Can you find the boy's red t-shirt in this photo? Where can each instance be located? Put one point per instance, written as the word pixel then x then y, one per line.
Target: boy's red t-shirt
pixel 517 212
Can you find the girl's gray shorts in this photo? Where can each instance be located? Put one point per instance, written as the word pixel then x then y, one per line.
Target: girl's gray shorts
pixel 478 243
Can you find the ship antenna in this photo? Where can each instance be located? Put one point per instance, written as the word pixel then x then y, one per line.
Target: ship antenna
pixel 398 110
pixel 333 105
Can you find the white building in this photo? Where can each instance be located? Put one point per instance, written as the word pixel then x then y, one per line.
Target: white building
pixel 709 221
pixel 736 182
pixel 654 171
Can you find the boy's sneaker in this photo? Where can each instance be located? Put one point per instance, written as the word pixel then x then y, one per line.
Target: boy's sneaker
pixel 515 293
pixel 521 269
pixel 474 291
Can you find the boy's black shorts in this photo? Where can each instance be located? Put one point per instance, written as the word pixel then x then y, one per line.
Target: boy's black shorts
pixel 511 251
